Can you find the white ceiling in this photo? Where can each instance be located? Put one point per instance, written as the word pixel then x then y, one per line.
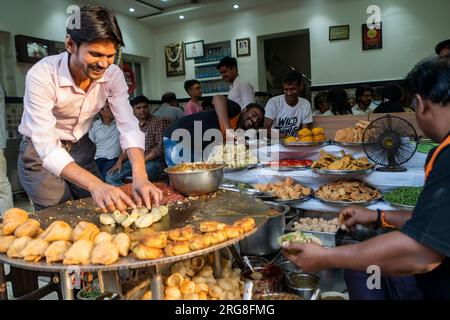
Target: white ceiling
pixel 157 13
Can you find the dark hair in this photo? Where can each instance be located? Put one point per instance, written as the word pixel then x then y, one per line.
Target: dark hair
pixel 255 106
pixel 207 103
pixel 168 96
pixel 228 62
pixel 189 84
pixel 431 80
pixel 338 99
pixel 293 76
pixel 391 99
pixel 320 98
pixel 139 99
pixel 96 24
pixel 442 45
pixel 360 91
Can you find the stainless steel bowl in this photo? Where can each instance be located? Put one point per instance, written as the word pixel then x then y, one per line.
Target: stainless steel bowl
pixel 196 182
pixel 303 284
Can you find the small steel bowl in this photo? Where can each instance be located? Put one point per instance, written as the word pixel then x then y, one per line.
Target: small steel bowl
pixel 196 182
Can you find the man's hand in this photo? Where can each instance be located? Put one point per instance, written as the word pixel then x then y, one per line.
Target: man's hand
pixel 117 167
pixel 309 257
pixel 144 191
pixel 110 198
pixel 351 216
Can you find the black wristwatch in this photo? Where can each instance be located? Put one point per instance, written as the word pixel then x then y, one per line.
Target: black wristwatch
pixel 378 222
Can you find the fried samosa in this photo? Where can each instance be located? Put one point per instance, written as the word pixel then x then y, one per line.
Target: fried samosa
pixel 85 231
pixel 29 228
pixel 79 252
pixel 122 243
pixel 5 243
pixel 57 231
pixel 15 249
pixel 104 253
pixel 56 251
pixel 13 218
pixel 35 250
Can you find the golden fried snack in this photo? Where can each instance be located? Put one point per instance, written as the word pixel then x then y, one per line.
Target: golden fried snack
pixel 1 229
pixel 233 232
pixel 172 293
pixel 104 253
pixel 198 263
pixel 176 248
pixel 225 284
pixel 191 296
pixel 199 280
pixel 199 242
pixel 206 272
pixel 5 243
pixel 156 240
pixel 246 224
pixel 211 226
pixel 217 236
pixel 35 250
pixel 29 228
pixel 201 287
pixel 187 286
pixel 147 296
pixel 79 252
pixel 57 231
pixel 85 231
pixel 119 216
pixel 56 251
pixel 215 291
pixel 178 268
pixel 182 234
pixel 12 218
pixel 122 243
pixel 174 280
pixel 15 249
pixel 203 295
pixel 143 252
pixel 102 236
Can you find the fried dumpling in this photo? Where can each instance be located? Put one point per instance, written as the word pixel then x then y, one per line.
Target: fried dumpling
pixel 85 231
pixel 122 243
pixel 1 229
pixel 57 231
pixel 29 228
pixel 144 252
pixel 103 236
pixel 15 249
pixel 79 252
pixel 13 218
pixel 104 253
pixel 5 243
pixel 35 250
pixel 56 251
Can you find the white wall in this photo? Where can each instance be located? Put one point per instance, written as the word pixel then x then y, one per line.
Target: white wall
pixel 47 19
pixel 411 28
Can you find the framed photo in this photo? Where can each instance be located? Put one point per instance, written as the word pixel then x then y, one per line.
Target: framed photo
pixel 174 59
pixel 31 50
pixel 243 47
pixel 194 49
pixel 339 33
pixel 372 38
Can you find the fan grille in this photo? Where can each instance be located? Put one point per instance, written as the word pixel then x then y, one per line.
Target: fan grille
pixel 390 141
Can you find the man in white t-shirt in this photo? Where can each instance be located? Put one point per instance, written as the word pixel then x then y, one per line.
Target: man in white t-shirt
pixel 241 91
pixel 288 112
pixel 364 97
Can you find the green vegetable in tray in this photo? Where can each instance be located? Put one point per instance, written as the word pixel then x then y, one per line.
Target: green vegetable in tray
pixel 406 196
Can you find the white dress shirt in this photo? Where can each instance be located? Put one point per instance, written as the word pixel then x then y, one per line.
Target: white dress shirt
pixel 55 109
pixel 106 139
pixel 241 92
pixel 356 110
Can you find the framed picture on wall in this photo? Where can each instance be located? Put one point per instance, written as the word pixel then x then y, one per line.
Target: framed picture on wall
pixel 194 49
pixel 372 38
pixel 243 47
pixel 339 33
pixel 31 50
pixel 174 59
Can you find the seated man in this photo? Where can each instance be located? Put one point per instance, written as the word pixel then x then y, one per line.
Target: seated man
pixel 169 109
pixel 198 130
pixel 288 112
pixel 323 108
pixel 364 97
pixel 106 137
pixel 154 155
pixel 194 90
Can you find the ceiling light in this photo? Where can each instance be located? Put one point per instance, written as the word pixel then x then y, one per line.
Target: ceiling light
pixel 132 10
pixel 236 6
pixel 181 17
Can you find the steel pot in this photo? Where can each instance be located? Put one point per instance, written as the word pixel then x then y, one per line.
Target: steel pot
pixel 265 240
pixel 303 284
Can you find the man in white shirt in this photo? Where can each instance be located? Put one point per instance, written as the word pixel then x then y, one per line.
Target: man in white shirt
pixel 240 92
pixel 106 137
pixel 62 95
pixel 364 97
pixel 6 200
pixel 289 113
pixel 321 105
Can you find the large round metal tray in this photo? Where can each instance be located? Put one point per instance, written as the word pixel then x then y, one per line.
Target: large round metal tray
pixel 400 206
pixel 348 144
pixel 348 203
pixel 224 206
pixel 297 200
pixel 343 172
pixel 291 168
pixel 236 169
pixel 304 144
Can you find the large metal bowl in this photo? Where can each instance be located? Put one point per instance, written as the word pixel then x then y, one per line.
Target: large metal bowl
pixel 196 182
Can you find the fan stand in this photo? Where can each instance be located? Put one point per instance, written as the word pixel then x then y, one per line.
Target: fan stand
pixel 392 169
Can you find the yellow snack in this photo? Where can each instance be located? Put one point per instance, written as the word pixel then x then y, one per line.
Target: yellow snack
pixel 306 139
pixel 317 131
pixel 319 138
pixel 305 132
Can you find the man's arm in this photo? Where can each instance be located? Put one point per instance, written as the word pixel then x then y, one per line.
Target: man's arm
pixel 221 108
